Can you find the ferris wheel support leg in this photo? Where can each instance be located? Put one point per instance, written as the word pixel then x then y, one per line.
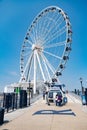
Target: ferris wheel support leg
pixel 34 88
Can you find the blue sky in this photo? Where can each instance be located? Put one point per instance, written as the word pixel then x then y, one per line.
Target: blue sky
pixel 17 15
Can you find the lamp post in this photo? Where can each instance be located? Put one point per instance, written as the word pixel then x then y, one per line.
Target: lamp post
pixel 82 89
pixel 86 83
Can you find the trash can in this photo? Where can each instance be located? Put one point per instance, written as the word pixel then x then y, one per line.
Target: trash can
pixel 86 95
pixel 83 99
pixel 1 116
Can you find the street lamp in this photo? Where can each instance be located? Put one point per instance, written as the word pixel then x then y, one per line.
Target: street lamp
pixel 82 89
pixel 86 83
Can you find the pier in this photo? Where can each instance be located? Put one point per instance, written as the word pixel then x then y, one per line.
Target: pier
pixel 40 116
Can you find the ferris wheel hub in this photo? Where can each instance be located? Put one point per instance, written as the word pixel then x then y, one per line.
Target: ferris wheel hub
pixel 36 47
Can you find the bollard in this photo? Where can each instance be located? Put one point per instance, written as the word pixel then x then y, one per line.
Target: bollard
pixel 1 116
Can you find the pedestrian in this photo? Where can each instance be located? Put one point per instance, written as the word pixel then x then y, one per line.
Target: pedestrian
pixel 44 95
pixel 59 99
pixel 47 101
pixel 56 99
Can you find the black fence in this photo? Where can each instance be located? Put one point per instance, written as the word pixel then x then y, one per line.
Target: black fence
pixel 11 101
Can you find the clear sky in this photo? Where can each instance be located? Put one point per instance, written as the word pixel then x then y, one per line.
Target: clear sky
pixel 17 15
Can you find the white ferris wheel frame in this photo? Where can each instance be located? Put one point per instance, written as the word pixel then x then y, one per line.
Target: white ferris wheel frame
pixel 38 50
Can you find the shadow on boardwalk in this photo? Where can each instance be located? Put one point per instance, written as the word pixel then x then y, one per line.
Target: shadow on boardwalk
pixel 61 112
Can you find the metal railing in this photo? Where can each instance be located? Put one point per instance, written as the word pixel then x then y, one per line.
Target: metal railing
pixel 13 101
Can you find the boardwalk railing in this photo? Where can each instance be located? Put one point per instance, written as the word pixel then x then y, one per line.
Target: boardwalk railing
pixel 11 101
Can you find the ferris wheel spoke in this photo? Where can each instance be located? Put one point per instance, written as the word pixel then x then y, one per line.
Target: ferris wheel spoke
pixel 32 37
pixel 53 38
pixel 56 34
pixel 36 32
pixel 47 24
pixel 28 48
pixel 52 55
pixel 28 62
pixel 46 66
pixel 49 65
pixel 40 27
pixel 40 67
pixel 28 41
pixel 35 35
pixel 55 44
pixel 28 71
pixel 31 63
pixel 44 24
pixel 51 28
pixel 28 51
pixel 50 23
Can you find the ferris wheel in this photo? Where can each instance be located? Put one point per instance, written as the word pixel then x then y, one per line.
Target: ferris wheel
pixel 46 46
